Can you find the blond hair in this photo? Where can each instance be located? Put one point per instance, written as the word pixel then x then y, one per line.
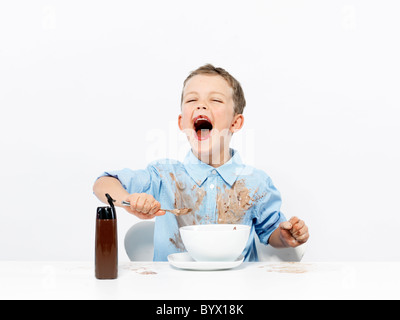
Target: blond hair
pixel 238 94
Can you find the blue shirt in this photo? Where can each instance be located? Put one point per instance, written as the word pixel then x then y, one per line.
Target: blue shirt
pixel 231 193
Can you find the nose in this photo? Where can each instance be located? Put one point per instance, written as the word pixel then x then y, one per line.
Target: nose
pixel 202 106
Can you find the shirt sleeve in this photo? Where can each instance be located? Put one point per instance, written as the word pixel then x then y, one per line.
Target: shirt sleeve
pixel 268 216
pixel 138 181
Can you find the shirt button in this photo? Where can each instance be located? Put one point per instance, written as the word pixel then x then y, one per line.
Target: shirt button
pixel 212 186
pixel 214 172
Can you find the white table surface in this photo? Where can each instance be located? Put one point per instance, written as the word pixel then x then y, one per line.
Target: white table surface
pixel 159 280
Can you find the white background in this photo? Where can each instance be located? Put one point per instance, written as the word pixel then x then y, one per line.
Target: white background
pixel 88 86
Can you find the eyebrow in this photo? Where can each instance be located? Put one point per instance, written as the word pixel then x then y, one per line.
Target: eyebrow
pixel 212 92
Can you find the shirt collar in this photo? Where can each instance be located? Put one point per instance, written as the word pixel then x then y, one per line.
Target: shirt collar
pixel 199 171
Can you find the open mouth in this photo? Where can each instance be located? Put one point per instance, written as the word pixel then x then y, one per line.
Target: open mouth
pixel 202 126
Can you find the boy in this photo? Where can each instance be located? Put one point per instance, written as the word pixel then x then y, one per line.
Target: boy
pixel 212 180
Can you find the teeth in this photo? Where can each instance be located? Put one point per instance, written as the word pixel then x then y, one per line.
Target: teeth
pixel 201 119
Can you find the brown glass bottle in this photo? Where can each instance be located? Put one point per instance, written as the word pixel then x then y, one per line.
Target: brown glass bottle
pixel 106 246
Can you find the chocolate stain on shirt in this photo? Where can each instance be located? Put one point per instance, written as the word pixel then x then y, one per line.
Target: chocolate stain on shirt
pixel 233 203
pixel 186 198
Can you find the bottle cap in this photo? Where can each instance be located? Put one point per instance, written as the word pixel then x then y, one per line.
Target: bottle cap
pixel 104 213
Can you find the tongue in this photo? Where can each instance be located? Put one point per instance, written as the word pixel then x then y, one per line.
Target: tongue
pixel 203 133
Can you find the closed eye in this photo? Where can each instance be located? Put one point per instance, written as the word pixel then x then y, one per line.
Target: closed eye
pixel 216 100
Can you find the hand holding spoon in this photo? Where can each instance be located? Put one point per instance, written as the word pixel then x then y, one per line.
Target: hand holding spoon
pixel 177 212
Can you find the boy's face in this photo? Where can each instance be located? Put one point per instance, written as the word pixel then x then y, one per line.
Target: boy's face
pixel 208 116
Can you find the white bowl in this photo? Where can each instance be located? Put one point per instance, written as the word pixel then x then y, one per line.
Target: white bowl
pixel 215 242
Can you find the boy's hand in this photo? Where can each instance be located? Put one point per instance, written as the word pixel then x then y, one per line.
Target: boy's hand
pixel 144 206
pixel 293 232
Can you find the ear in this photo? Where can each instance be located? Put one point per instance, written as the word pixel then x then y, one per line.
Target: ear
pixel 180 122
pixel 237 123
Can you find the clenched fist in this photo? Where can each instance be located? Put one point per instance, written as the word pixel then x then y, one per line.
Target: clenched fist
pixel 293 232
pixel 144 206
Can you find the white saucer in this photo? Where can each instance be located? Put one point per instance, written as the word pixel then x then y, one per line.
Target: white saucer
pixel 185 261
